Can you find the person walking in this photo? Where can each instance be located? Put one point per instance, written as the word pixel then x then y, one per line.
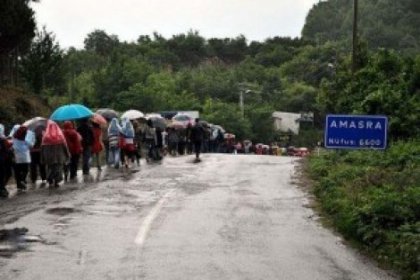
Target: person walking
pixel 54 153
pixel 85 130
pixel 114 134
pixel 5 162
pixel 98 145
pixel 74 145
pixel 36 158
pixel 22 139
pixel 150 139
pixel 187 137
pixel 159 143
pixel 128 147
pixel 173 140
pixel 138 136
pixel 197 137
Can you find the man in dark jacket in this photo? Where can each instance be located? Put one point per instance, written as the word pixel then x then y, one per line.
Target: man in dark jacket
pixel 85 130
pixel 5 163
pixel 197 137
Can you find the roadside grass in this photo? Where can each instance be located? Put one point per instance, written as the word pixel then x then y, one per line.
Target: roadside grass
pixel 373 199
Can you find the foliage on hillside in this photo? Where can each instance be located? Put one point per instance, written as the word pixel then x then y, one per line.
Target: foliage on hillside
pixel 17 106
pixel 373 198
pixel 383 23
pixel 188 72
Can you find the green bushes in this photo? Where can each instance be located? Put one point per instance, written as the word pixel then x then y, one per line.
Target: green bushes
pixel 373 198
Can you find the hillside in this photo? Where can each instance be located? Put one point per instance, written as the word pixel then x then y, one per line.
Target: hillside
pixel 383 23
pixel 16 106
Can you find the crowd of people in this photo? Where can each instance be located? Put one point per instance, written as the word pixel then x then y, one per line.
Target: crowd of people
pixel 52 153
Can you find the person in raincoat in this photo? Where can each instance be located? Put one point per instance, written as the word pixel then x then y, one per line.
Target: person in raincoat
pixel 85 130
pixel 128 147
pixel 36 158
pixel 5 162
pixel 74 144
pixel 98 145
pixel 54 153
pixel 22 139
pixel 114 134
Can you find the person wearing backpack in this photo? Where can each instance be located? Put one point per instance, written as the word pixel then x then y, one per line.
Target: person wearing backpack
pixel 85 130
pixel 54 153
pixel 74 144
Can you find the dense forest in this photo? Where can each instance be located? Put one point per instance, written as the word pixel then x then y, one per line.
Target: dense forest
pixel 383 23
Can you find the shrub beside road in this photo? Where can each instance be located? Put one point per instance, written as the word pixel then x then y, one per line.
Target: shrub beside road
pixel 373 198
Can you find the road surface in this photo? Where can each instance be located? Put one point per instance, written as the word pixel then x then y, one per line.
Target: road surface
pixel 228 217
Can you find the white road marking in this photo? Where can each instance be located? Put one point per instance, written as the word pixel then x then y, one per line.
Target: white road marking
pixel 147 223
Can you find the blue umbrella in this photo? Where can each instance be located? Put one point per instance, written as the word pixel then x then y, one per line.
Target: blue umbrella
pixel 71 112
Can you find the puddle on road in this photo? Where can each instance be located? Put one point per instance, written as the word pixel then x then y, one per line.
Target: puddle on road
pixel 61 211
pixel 15 240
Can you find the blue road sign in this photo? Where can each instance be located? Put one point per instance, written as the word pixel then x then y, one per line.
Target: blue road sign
pixel 356 132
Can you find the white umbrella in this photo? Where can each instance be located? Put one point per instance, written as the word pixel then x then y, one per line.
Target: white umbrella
pixel 219 128
pixel 132 115
pixel 154 115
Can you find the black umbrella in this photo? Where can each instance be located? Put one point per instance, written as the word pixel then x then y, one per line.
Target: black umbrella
pixel 204 123
pixel 107 113
pixel 158 122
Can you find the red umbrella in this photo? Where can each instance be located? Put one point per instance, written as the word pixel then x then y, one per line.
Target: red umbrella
pixel 98 119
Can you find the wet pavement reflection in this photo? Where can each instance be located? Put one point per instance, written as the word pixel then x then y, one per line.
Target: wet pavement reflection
pixel 227 217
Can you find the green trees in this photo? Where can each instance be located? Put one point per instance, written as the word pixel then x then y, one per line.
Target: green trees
pixel 41 67
pixel 383 23
pixel 283 74
pixel 187 71
pixel 17 28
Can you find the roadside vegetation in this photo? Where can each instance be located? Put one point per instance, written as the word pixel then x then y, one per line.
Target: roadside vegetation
pixel 373 198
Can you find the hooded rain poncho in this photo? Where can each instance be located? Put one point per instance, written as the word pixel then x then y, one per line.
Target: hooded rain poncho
pixel 53 135
pixel 127 129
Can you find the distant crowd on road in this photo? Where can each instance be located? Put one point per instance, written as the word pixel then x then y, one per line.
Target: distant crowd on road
pixel 53 153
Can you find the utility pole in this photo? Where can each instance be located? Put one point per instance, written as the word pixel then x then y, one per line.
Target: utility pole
pixel 241 102
pixel 355 35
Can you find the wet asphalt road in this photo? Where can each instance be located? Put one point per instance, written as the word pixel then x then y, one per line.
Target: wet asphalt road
pixel 228 217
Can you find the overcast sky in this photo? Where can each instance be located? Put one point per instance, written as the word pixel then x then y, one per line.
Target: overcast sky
pixel 71 20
